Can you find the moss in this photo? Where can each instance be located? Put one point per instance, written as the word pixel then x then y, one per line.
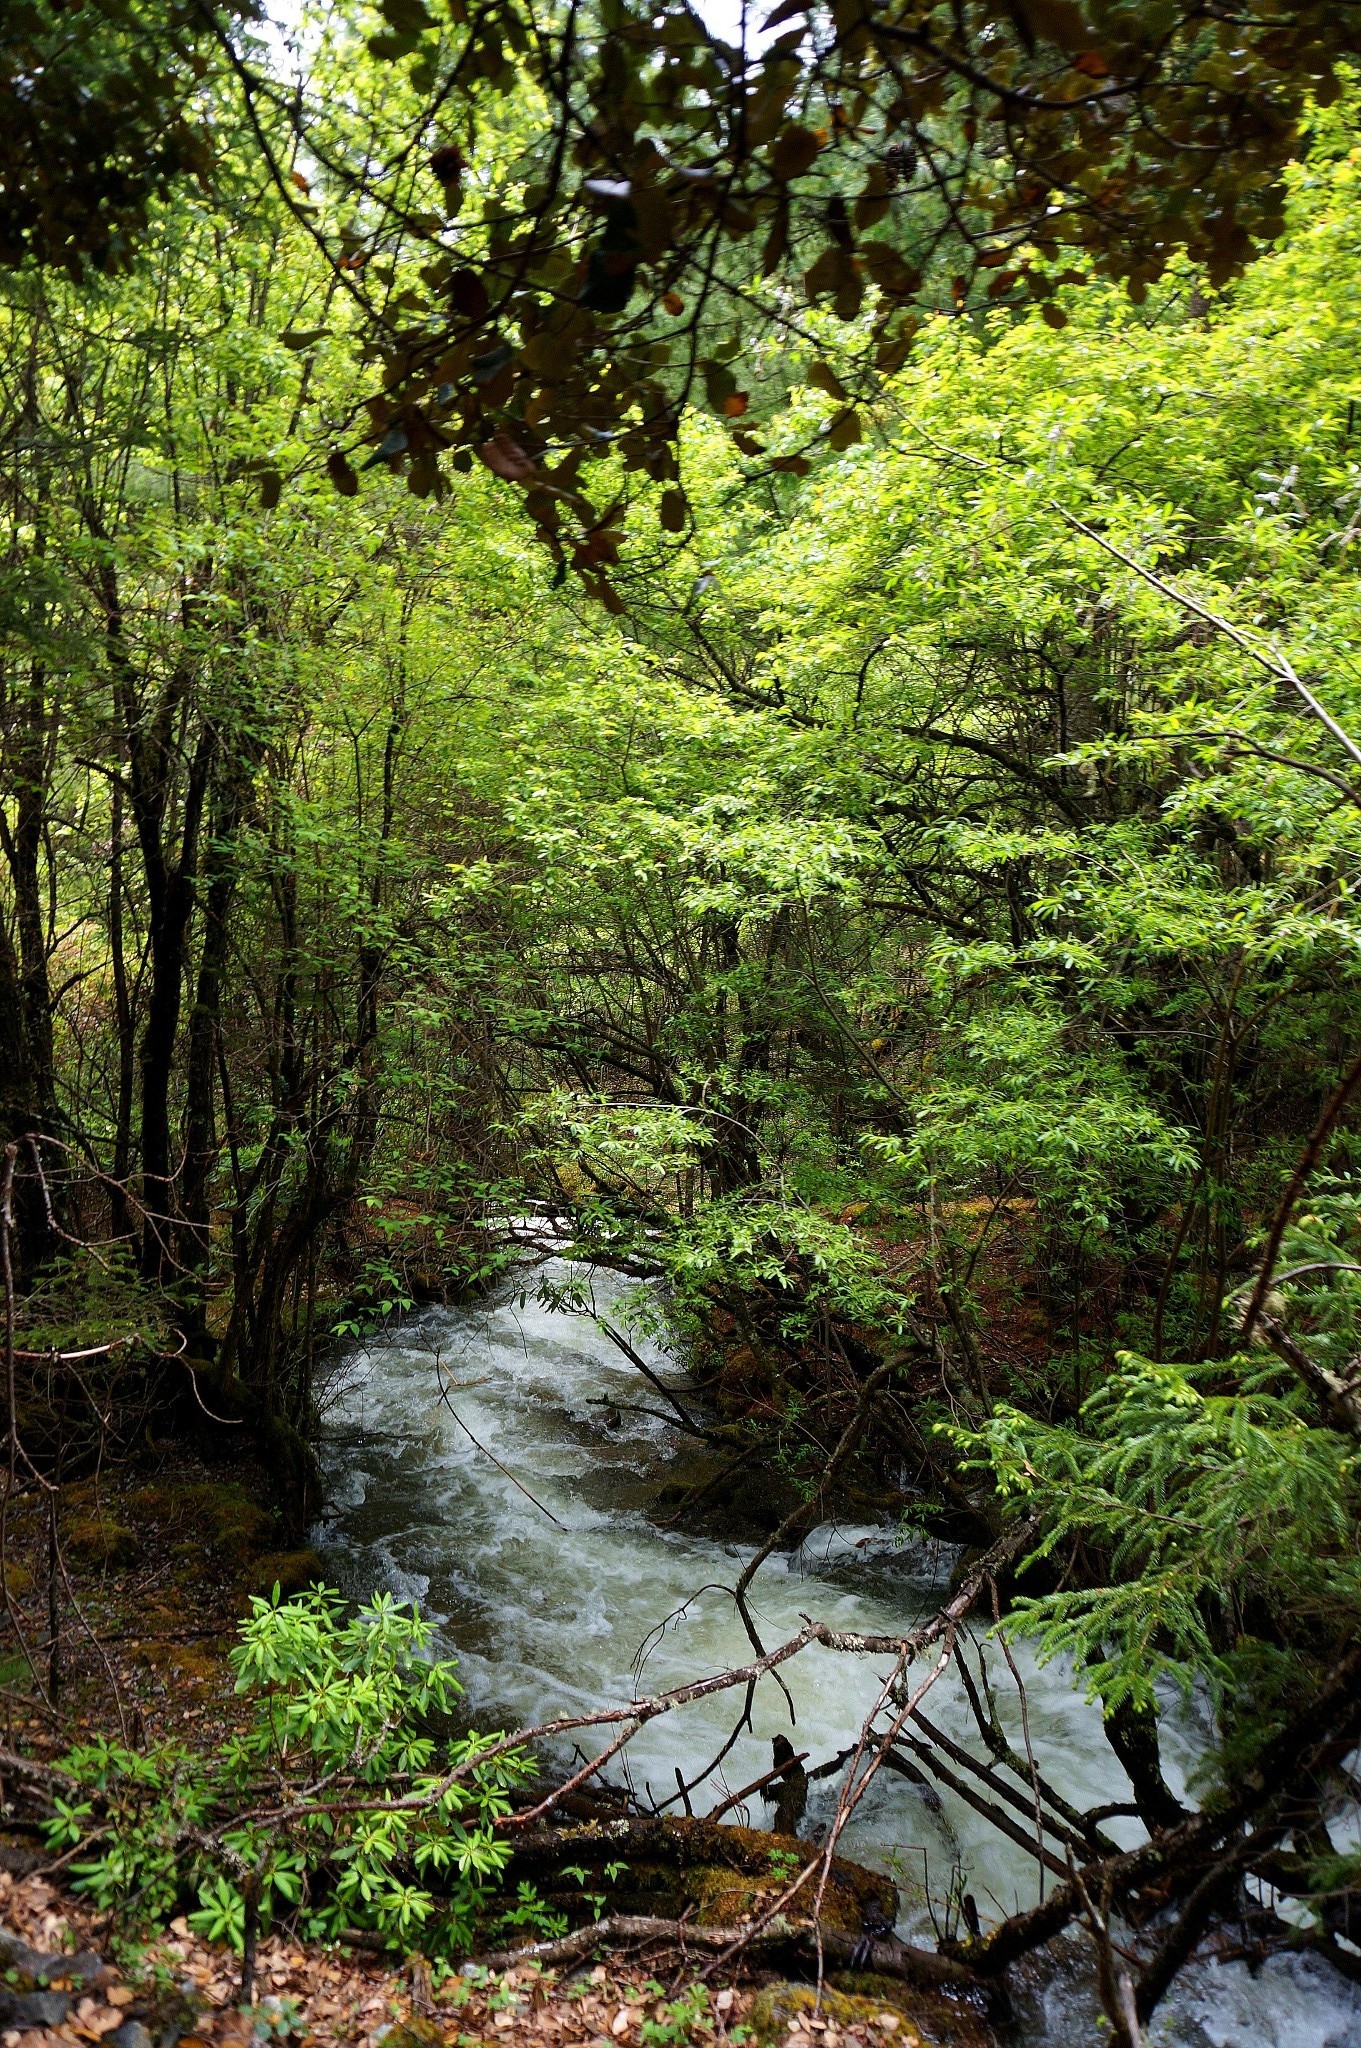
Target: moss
pixel 901 2017
pixel 216 1512
pixel 100 1540
pixel 724 1897
pixel 18 1580
pixel 413 2033
pixel 293 1571
pixel 184 1662
pixel 723 1874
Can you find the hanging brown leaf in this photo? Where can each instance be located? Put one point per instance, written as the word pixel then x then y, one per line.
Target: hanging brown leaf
pixel 506 458
pixel 828 274
pixel 448 163
pixel 341 474
pixel 719 384
pixel 468 295
pixel 823 377
pixel 844 431
pixel 794 152
pixel 601 544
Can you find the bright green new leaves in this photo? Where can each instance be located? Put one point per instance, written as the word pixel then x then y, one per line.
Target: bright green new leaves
pixel 1208 1504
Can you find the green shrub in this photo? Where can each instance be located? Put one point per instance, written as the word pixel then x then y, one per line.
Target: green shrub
pixel 337 1806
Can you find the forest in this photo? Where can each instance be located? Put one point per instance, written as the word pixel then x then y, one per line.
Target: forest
pixel 697 676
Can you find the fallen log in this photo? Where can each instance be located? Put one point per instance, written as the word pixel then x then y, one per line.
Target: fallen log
pixel 922 1967
pixel 35 1782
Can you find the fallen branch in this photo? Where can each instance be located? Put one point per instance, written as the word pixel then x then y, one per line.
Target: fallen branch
pixel 1315 1740
pixel 40 1781
pixel 890 1958
pixel 629 1719
pixel 757 1785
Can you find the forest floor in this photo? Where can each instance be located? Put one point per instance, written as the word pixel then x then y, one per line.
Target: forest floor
pixel 178 1988
pixel 159 1558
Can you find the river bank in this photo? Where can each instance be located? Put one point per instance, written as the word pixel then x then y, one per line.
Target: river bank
pixel 503 1463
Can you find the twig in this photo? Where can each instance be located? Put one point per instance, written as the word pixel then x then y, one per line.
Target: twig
pixel 757 1785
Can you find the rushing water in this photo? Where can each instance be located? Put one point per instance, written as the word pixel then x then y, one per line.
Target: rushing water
pixel 492 1464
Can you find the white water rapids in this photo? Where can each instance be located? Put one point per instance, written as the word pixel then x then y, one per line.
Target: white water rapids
pixel 506 1505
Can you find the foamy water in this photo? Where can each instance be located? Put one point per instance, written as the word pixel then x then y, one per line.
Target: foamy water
pixel 483 1461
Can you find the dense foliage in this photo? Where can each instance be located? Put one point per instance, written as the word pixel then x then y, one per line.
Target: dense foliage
pixel 915 927
pixel 556 228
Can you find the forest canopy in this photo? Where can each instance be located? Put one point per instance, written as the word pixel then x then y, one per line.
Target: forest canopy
pixel 896 895
pixel 552 232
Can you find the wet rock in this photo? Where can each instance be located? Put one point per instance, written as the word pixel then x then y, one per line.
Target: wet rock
pixel 32 1970
pixel 694 1488
pixel 85 1969
pixel 19 1956
pixel 132 2034
pixel 34 2008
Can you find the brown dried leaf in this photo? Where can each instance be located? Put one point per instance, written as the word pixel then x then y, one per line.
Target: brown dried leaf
pixel 341 474
pixel 795 151
pixel 844 431
pixel 506 458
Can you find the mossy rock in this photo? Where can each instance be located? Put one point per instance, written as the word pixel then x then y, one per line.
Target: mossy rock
pixel 939 2018
pixel 725 1897
pixel 722 1874
pixel 293 1571
pixel 18 1580
pixel 413 2033
pixel 185 1663
pixel 753 1866
pixel 219 1513
pixel 101 1540
pixel 904 2018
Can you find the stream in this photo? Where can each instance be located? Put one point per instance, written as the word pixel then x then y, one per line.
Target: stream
pixel 490 1462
